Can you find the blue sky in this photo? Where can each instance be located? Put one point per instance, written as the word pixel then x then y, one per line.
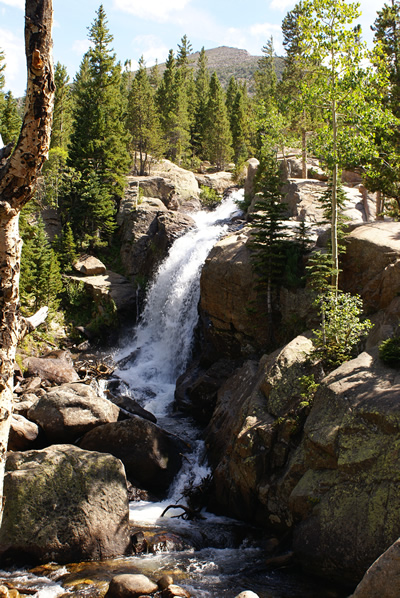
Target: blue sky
pixel 151 28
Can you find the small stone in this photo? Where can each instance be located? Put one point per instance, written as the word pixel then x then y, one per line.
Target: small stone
pixel 165 581
pixel 247 594
pixel 130 586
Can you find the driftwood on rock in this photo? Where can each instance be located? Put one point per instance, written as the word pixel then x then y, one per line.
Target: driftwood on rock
pixel 19 170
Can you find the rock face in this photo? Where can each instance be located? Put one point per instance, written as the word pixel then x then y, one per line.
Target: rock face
pixel 219 181
pixel 230 306
pixel 151 456
pixel 383 577
pixel 65 504
pixel 330 473
pixel 147 234
pixel 347 500
pixel 67 412
pixel 251 434
pixel 371 265
pixel 110 289
pixel 184 181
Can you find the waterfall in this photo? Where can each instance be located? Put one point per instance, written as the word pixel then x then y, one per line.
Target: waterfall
pixel 161 345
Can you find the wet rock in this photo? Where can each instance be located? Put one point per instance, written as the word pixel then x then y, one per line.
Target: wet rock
pixel 64 504
pixel 165 581
pixel 23 433
pixel 383 577
pixel 130 586
pixel 196 390
pixel 88 265
pixel 167 542
pixel 58 371
pixel 129 407
pixel 152 457
pixel 173 590
pixel 68 411
pixel 247 594
pixel 147 234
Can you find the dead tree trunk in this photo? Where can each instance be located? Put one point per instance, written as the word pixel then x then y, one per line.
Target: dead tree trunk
pixel 18 176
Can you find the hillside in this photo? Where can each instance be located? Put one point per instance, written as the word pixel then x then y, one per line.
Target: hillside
pixel 226 61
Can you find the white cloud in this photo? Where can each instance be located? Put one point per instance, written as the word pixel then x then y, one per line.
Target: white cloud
pixel 15 3
pixel 81 46
pixel 14 52
pixel 155 10
pixel 151 47
pixel 282 4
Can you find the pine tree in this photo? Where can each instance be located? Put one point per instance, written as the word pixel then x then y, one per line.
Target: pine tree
pixel 172 104
pixel 142 120
pixel 62 117
pixel 10 122
pixel 202 85
pixel 98 146
pixel 269 234
pixel 265 75
pixel 217 145
pixel 387 34
pixel 241 126
pixel 154 76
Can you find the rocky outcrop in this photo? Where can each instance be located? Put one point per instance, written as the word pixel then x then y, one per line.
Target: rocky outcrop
pixel 147 234
pixel 251 435
pixel 346 501
pixel 110 291
pixel 152 457
pixel 371 265
pixel 88 265
pixel 219 181
pixel 67 412
pixel 64 504
pixel 183 181
pixel 329 473
pixel 230 305
pixel 382 580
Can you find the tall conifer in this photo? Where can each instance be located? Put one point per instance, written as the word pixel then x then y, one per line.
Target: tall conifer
pixel 217 134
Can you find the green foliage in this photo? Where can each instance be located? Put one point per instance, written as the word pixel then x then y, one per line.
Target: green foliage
pixel 389 352
pixel 62 115
pixel 342 328
pixel 98 146
pixel 308 387
pixel 10 120
pixel 265 76
pixel 55 174
pixel 209 197
pixel 40 279
pixel 217 144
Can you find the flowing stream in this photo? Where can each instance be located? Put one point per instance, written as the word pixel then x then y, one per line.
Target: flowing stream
pixel 224 557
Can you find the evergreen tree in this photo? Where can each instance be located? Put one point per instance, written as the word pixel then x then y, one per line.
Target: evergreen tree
pixel 172 104
pixel 154 76
pixel 269 240
pixel 387 32
pixel 98 146
pixel 10 119
pixel 142 120
pixel 265 76
pixel 62 117
pixel 2 69
pixel 217 135
pixel 202 84
pixel 241 126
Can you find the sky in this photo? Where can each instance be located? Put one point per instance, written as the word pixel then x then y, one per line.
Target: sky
pixel 151 28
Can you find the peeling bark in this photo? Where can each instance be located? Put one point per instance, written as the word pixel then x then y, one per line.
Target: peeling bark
pixel 18 175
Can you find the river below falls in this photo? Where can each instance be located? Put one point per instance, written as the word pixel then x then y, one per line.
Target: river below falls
pixel 222 557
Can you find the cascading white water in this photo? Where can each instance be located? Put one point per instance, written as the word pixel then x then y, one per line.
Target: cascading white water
pixel 162 344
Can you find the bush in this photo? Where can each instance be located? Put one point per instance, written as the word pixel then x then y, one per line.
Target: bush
pixel 389 352
pixel 209 197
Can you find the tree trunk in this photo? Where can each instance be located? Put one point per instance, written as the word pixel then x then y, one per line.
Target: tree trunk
pixel 18 178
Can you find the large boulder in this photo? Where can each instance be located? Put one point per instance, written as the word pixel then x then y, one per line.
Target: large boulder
pixel 382 580
pixel 371 265
pixel 59 371
pixel 250 438
pixel 68 411
pixel 128 585
pixel 346 501
pixel 147 234
pixel 64 504
pixel 110 291
pixel 219 181
pixel 184 181
pixel 88 265
pixel 231 308
pixel 252 167
pixel 152 457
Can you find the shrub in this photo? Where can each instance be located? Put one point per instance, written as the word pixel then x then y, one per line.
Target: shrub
pixel 389 352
